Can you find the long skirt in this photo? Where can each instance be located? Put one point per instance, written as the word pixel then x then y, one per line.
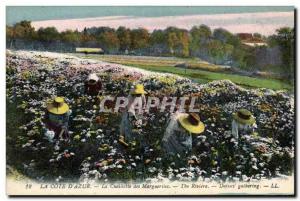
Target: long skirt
pixel 61 131
pixel 126 127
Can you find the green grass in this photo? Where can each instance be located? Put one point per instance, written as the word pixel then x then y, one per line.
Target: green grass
pixel 199 75
pixel 202 76
pixel 193 63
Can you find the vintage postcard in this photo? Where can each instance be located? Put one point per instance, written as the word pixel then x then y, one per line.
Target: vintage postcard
pixel 150 101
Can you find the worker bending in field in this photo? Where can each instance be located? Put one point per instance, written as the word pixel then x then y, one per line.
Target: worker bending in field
pixel 133 115
pixel 243 121
pixel 57 118
pixel 93 85
pixel 178 135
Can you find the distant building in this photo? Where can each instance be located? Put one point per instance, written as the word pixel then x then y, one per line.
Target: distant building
pixel 255 44
pixel 249 40
pixel 245 36
pixel 88 50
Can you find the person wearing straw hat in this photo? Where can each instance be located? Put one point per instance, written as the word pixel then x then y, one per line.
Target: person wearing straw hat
pixel 243 120
pixel 57 117
pixel 133 115
pixel 93 84
pixel 177 138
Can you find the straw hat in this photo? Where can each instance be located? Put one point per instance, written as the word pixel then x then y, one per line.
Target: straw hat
pixel 58 106
pixel 93 78
pixel 244 116
pixel 138 89
pixel 191 122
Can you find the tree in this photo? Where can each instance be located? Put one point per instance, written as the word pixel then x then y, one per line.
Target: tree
pixel 215 50
pixel 200 34
pixel 226 37
pixel 157 37
pixel 48 34
pixel 183 44
pixel 109 41
pixel 285 40
pixel 220 52
pixel 70 36
pixel 86 38
pixel 10 32
pixel 219 46
pixel 172 41
pixel 123 35
pixel 177 41
pixel 139 39
pixel 158 43
pixel 199 39
pixel 96 31
pixel 23 30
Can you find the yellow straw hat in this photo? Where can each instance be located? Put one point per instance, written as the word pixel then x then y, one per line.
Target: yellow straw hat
pixel 58 106
pixel 138 89
pixel 244 116
pixel 191 122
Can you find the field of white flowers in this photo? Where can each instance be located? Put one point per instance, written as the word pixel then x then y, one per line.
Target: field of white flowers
pixel 94 152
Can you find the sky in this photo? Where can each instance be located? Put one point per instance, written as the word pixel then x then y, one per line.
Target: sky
pixel 36 13
pixel 264 20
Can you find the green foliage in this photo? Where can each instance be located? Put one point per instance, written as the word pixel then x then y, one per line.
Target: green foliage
pixel 124 38
pixel 10 33
pixel 178 41
pixel 218 47
pixel 48 34
pixel 285 40
pixel 70 36
pixel 244 57
pixel 22 30
pixel 199 38
pixel 86 37
pixel 219 51
pixel 109 42
pixel 226 37
pixel 157 37
pixel 139 39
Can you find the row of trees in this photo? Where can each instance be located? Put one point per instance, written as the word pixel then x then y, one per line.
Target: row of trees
pixel 218 46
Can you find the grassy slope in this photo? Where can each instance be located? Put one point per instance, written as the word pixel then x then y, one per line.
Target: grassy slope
pixel 203 74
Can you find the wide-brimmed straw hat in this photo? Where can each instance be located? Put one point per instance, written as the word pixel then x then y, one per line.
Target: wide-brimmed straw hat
pixel 138 89
pixel 191 122
pixel 58 106
pixel 244 116
pixel 92 78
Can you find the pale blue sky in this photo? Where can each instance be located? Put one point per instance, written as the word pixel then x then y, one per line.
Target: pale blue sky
pixel 35 13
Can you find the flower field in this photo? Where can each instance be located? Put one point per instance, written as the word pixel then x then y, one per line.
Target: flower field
pixel 94 152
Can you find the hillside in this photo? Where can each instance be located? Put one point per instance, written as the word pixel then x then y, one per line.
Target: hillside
pixel 34 77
